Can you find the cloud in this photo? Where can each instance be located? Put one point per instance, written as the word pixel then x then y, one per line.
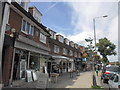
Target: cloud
pixel 48 9
pixel 82 20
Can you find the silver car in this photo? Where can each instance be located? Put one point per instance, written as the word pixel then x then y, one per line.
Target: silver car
pixel 114 81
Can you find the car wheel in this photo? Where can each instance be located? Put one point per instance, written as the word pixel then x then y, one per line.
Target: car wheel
pixel 104 80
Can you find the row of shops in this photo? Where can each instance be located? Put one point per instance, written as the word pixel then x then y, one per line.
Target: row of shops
pixel 23 53
pixel 24 60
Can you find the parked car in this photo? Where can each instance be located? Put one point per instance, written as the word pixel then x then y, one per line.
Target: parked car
pixel 108 71
pixel 114 81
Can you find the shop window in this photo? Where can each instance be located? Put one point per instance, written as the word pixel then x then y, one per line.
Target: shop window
pixel 69 65
pixel 64 65
pixel 34 63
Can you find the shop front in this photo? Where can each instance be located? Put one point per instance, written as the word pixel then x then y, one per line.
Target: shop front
pixel 78 64
pixel 71 65
pixel 27 59
pixel 58 64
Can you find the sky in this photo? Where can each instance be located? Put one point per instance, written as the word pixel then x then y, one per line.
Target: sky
pixel 74 19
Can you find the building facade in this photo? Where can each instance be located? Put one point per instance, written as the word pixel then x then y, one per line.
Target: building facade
pixel 29 45
pixel 64 53
pixel 26 43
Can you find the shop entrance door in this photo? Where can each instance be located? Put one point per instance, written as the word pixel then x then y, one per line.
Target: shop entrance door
pixel 22 68
pixel 16 66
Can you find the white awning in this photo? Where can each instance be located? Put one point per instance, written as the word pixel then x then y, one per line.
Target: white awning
pixel 71 60
pixel 60 57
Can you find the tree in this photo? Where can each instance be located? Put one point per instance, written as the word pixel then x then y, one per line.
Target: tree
pixel 106 48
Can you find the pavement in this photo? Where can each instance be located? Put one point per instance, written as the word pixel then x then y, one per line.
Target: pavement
pixel 98 78
pixel 82 81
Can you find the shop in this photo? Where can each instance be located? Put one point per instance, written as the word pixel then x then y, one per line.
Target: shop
pixel 58 64
pixel 26 60
pixel 78 64
pixel 71 65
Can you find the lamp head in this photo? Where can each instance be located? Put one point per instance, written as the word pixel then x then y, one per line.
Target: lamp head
pixel 105 16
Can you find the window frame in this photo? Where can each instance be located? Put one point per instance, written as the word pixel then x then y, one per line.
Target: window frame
pixel 26 27
pixel 71 53
pixel 32 30
pixel 42 38
pixel 64 51
pixel 56 49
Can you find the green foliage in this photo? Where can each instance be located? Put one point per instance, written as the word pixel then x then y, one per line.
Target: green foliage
pixel 118 63
pixel 106 48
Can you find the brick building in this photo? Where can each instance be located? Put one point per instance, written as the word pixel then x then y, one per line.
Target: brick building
pixel 64 53
pixel 29 45
pixel 26 43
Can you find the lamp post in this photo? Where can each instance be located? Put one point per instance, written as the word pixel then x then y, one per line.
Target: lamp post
pixel 94 27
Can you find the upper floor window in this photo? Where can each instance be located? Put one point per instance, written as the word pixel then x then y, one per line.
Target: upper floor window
pixel 64 51
pixel 71 44
pixel 71 53
pixel 61 39
pixel 31 31
pixel 37 16
pixel 56 49
pixel 76 46
pixel 37 33
pixel 79 54
pixel 27 28
pixel 75 54
pixel 42 38
pixel 23 4
pixel 23 25
pixel 67 41
pixel 53 35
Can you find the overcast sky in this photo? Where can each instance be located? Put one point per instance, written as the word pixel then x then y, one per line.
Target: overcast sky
pixel 74 19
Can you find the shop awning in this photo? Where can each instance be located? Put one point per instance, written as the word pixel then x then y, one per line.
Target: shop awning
pixel 60 57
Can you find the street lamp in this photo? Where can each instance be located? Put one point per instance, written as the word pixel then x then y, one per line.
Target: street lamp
pixel 94 27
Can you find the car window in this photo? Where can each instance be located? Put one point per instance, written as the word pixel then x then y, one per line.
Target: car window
pixel 113 69
pixel 112 76
pixel 116 78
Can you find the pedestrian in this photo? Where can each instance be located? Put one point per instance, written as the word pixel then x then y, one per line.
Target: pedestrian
pixel 97 71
